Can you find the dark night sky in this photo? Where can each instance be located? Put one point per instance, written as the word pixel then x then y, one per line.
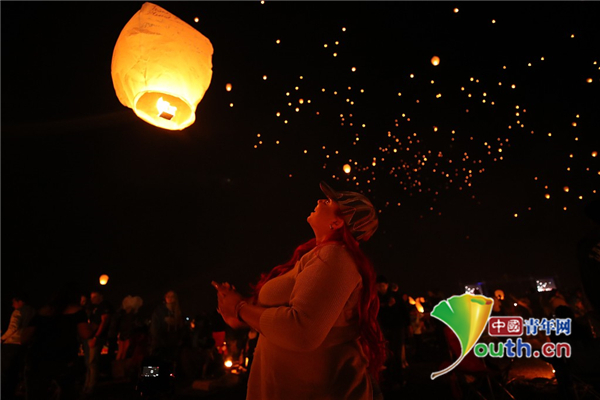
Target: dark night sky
pixel 88 188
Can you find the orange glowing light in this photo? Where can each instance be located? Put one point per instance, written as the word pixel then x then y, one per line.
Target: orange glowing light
pixel 566 189
pixel 228 364
pixel 594 153
pixel 589 80
pixel 165 109
pixel 347 168
pixel 435 61
pixel 455 10
pixel 196 19
pixel 103 279
pixel 179 76
pixel 419 306
pixel 228 87
pixel 547 196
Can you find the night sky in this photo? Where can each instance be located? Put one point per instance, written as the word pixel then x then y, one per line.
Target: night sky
pixel 458 161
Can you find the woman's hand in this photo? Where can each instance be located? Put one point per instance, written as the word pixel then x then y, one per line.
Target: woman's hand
pixel 228 300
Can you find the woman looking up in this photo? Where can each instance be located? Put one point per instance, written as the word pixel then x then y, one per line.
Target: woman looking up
pixel 317 313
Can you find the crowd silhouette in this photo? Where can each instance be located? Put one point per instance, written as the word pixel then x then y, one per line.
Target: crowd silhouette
pixel 78 339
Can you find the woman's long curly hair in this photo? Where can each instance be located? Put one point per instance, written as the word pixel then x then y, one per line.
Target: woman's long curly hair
pixel 371 337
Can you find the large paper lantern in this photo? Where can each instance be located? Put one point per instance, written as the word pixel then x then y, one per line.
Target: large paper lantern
pixel 161 68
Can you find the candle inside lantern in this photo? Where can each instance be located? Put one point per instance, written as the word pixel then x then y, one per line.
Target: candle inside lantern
pixel 165 109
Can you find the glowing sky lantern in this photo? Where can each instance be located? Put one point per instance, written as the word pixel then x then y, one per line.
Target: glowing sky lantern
pixel 347 168
pixel 228 87
pixel 435 61
pixel 103 279
pixel 161 61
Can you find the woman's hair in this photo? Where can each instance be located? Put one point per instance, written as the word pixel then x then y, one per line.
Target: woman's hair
pixel 371 337
pixel 177 316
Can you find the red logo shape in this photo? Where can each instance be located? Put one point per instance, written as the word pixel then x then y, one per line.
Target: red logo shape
pixel 505 326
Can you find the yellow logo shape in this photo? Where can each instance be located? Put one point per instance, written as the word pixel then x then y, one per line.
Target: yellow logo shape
pixel 467 315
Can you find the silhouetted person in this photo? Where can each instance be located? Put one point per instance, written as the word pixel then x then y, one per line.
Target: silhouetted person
pixel 13 351
pixel 166 328
pixel 54 336
pixel 100 315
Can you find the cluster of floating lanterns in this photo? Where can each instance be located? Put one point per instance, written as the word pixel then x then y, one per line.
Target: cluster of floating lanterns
pixel 406 153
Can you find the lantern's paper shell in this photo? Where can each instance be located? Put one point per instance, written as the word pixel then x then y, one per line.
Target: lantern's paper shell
pixel 158 55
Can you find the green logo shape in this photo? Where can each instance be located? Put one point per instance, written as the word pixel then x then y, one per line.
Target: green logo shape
pixel 467 315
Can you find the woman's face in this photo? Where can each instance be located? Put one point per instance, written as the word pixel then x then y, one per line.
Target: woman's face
pixel 325 213
pixel 170 297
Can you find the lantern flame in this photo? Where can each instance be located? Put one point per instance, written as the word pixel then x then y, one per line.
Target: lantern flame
pixel 411 301
pixel 165 109
pixel 347 168
pixel 435 61
pixel 228 364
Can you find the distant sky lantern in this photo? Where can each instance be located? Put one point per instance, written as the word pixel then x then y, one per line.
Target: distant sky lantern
pixel 103 279
pixel 228 87
pixel 594 153
pixel 158 60
pixel 347 168
pixel 435 61
pixel 566 189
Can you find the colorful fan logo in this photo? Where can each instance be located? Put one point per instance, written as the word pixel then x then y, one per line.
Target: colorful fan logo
pixel 467 316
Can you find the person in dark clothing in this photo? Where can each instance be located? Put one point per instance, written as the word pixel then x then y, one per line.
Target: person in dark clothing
pixel 125 321
pixel 13 350
pixel 391 321
pixel 166 328
pixel 101 312
pixel 54 336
